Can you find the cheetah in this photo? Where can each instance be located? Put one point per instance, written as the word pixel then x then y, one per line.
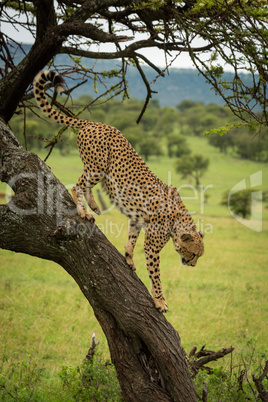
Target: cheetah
pixel 149 203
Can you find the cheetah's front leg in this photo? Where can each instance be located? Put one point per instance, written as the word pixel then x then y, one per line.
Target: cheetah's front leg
pixel 152 249
pixel 91 201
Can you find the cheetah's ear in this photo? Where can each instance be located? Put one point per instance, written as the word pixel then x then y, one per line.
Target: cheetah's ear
pixel 186 237
pixel 202 234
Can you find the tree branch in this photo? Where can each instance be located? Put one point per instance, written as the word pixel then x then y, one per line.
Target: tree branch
pixel 149 90
pixel 90 7
pixel 197 360
pixel 128 51
pixel 89 31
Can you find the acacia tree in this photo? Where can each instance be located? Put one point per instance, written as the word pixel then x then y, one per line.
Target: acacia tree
pixel 40 218
pixel 192 166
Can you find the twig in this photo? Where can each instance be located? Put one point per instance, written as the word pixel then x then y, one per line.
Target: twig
pixel 91 350
pixel 149 90
pixel 240 380
pixel 205 393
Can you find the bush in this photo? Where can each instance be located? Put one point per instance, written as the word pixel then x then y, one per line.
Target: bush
pixel 20 381
pixel 234 382
pixel 94 380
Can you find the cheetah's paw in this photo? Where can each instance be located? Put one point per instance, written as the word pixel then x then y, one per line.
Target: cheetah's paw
pixel 131 263
pixel 86 215
pixel 97 211
pixel 161 305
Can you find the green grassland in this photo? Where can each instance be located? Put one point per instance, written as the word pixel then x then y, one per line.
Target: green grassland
pixel 223 301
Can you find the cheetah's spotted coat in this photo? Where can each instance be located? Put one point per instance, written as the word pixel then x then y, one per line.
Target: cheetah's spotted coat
pixel 148 202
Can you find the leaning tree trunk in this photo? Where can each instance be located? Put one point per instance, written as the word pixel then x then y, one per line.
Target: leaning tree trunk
pixel 40 220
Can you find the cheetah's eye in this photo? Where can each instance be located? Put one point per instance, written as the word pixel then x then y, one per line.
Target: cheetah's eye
pixel 186 237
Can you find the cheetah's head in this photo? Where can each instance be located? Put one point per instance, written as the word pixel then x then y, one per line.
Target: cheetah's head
pixel 189 245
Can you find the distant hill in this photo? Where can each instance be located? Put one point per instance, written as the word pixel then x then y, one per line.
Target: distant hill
pixel 178 85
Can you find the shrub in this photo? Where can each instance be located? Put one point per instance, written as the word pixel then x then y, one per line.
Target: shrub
pixel 94 380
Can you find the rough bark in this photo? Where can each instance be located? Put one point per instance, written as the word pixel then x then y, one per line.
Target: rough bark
pixel 40 220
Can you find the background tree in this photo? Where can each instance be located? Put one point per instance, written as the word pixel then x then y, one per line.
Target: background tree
pixel 223 142
pixel 239 203
pixel 166 121
pixel 177 145
pixel 247 148
pixel 145 349
pixel 192 166
pixel 149 146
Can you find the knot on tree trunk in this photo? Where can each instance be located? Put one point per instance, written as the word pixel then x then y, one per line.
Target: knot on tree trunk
pixel 150 366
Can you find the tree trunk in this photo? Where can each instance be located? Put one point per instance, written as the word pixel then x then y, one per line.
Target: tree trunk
pixel 47 44
pixel 40 220
pixel 14 84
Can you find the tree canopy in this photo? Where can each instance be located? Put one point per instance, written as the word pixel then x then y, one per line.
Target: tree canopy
pixel 213 32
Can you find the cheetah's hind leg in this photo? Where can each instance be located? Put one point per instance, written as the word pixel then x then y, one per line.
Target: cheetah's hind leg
pixel 91 201
pixel 84 188
pixel 133 234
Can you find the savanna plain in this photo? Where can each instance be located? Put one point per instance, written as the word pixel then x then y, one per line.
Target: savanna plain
pixel 46 324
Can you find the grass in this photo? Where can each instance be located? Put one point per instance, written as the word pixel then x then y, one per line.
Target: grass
pixel 46 320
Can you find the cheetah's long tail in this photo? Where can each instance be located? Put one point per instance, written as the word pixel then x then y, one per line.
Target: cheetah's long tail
pixel 40 96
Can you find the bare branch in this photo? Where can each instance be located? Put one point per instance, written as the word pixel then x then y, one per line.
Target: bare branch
pixel 128 51
pixel 205 393
pixel 91 350
pixel 149 90
pixel 197 360
pixel 147 61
